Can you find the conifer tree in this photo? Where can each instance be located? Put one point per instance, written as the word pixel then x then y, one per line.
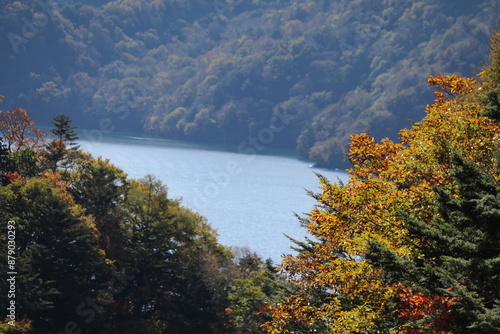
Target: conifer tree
pixel 57 259
pixel 63 147
pixel 64 131
pixel 168 247
pixel 460 251
pixel 439 260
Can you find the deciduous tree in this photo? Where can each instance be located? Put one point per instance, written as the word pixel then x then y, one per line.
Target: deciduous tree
pixel 340 291
pixel 19 131
pixel 100 188
pixel 459 255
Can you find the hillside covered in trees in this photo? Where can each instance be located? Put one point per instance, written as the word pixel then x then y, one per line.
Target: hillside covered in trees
pixel 313 72
pixel 409 245
pixel 88 250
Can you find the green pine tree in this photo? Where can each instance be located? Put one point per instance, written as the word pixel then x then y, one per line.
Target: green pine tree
pixel 61 150
pixel 58 261
pixel 460 250
pixel 168 244
pixel 64 131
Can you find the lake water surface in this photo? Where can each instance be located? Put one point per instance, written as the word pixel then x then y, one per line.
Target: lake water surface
pixel 249 198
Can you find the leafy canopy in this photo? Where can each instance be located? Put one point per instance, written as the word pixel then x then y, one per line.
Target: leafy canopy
pixel 340 289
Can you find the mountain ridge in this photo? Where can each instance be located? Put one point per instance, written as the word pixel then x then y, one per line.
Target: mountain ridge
pixel 223 71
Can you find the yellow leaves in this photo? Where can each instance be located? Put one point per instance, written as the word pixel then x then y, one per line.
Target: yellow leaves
pixel 449 127
pixel 55 179
pixel 297 311
pixel 387 179
pixel 360 319
pixel 369 158
pixel 358 209
pixel 22 326
pixel 453 85
pixel 366 208
pixel 355 301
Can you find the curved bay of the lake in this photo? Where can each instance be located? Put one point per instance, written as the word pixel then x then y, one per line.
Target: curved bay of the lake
pixel 250 199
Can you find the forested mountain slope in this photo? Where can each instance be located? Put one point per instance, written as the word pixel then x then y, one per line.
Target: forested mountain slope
pixel 298 74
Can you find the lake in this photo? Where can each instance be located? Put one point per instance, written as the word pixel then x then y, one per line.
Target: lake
pixel 249 198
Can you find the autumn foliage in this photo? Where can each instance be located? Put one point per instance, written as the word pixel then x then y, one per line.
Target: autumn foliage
pixel 86 233
pixel 435 311
pixel 391 183
pixel 18 130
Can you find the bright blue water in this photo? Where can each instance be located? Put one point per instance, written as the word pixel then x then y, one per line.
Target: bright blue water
pixel 249 198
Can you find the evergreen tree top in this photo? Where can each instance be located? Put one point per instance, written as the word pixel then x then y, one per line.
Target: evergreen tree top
pixel 63 130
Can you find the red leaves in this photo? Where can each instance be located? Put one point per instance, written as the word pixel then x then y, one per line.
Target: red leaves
pixel 13 176
pixel 434 312
pixel 387 178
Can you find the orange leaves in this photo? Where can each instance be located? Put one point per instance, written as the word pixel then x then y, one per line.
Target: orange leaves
pixel 18 130
pixel 299 313
pixel 452 85
pixel 369 158
pixel 435 312
pixel 13 176
pixel 387 179
pixel 55 179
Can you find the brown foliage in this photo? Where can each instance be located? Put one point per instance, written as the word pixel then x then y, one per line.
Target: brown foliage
pixel 18 130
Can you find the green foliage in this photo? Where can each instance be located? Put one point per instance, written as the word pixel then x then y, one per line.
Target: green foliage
pixel 168 288
pixel 460 253
pixel 197 70
pixel 258 286
pixel 64 131
pixel 106 254
pixel 57 258
pixel 100 188
pixel 24 162
pixel 62 151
